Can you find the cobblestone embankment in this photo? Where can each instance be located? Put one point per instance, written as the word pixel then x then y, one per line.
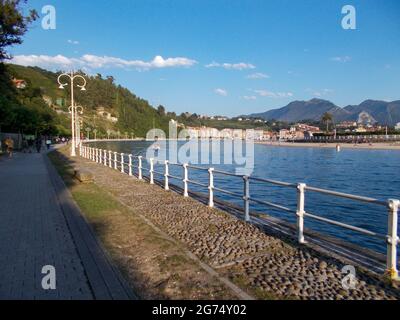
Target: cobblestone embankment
pixel 263 265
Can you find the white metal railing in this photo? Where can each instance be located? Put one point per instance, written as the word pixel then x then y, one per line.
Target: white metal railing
pixel 117 161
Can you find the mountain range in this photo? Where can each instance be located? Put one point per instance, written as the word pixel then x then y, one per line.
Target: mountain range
pixel 370 111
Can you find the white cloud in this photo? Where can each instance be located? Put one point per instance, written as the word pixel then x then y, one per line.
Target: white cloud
pixel 221 92
pixel 270 94
pixel 231 66
pixel 257 75
pixel 158 62
pixel 50 62
pixel 343 59
pixel 93 61
pixel 73 42
pixel 249 97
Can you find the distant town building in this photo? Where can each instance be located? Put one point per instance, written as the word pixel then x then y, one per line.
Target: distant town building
pixel 19 84
pixel 284 134
pixel 304 127
pixel 226 133
pixel 268 135
pixel 397 126
pixel 360 129
pixel 105 114
pixel 255 135
pixel 299 131
pixel 346 125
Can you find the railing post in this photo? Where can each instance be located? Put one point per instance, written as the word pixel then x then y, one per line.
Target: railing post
pixel 140 176
pixel 300 211
pixel 130 164
pixel 115 161
pixel 100 156
pixel 80 149
pixel 105 157
pixel 91 153
pixel 246 197
pixel 96 155
pixel 151 171
pixel 185 180
pixel 211 187
pixel 122 163
pixel 166 174
pixel 110 159
pixel 392 239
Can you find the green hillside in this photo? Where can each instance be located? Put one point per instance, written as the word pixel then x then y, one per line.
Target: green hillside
pixel 102 101
pixel 42 107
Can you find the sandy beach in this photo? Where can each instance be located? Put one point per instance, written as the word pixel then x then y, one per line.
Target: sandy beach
pixel 363 146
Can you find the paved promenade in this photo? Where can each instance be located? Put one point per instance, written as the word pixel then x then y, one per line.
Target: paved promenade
pixel 41 225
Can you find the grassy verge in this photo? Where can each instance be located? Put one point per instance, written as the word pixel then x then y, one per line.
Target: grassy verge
pixel 152 264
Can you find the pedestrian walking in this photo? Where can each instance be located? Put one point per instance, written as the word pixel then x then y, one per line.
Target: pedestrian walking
pixel 38 143
pixel 10 146
pixel 30 144
pixel 24 145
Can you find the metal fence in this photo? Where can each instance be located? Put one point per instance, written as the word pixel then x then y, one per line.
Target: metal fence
pixel 353 138
pixel 127 164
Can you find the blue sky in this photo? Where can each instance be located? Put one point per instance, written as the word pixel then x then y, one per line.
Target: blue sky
pixel 226 57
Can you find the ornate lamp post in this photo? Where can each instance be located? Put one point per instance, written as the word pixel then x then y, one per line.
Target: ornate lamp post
pixel 95 134
pixel 73 109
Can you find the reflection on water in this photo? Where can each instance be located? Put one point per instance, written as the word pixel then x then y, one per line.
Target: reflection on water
pixel 373 173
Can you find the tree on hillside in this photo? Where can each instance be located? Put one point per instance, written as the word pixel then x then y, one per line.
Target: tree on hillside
pixel 327 118
pixel 13 24
pixel 161 110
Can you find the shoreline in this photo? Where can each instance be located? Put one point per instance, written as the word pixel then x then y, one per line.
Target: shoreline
pixel 365 146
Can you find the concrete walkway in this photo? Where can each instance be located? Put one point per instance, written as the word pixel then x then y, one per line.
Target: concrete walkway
pixel 41 225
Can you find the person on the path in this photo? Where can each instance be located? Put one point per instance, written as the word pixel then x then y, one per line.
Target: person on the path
pixel 38 143
pixel 10 146
pixel 30 144
pixel 48 143
pixel 24 145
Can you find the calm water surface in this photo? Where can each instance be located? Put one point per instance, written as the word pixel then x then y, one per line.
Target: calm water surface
pixel 373 173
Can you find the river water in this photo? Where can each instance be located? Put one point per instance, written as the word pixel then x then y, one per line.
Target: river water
pixel 372 173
